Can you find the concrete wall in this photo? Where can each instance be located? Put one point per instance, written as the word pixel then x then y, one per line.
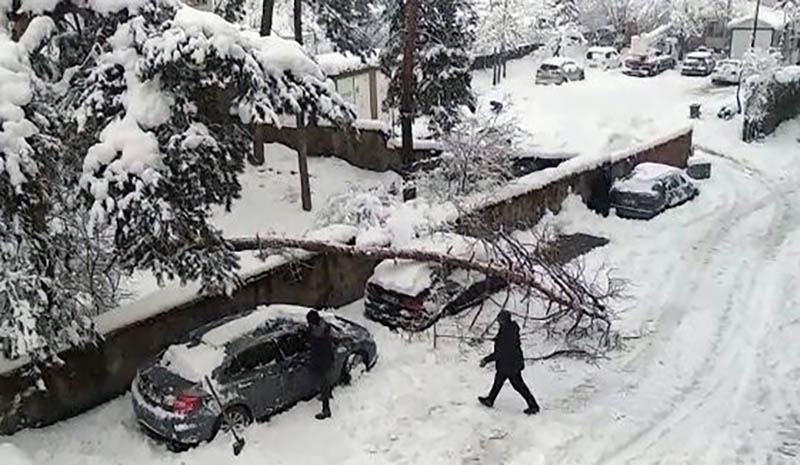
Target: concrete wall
pixel 365 149
pixel 98 374
pixel 95 375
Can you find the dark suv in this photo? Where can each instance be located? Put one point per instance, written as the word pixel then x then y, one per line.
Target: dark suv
pixel 650 189
pixel 258 362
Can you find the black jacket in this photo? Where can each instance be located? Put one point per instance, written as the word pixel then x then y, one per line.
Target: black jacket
pixel 321 343
pixel 507 351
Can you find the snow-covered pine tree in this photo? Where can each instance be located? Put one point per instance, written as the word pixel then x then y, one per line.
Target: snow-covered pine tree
pixel 446 32
pixel 135 115
pixel 565 12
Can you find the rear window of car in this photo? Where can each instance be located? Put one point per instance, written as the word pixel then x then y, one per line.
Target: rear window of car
pixel 549 67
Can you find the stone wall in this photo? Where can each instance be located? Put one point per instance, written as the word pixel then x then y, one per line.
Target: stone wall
pixel 95 375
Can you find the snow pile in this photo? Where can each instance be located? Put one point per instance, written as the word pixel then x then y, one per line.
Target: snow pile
pixel 12 455
pixel 16 160
pixel 193 363
pixel 788 75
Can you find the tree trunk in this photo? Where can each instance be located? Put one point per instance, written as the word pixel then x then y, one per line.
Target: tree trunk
pixel 755 25
pixel 407 79
pixel 267 8
pixel 510 275
pixel 302 150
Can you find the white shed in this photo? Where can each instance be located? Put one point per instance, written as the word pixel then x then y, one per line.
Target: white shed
pixel 770 27
pixel 361 84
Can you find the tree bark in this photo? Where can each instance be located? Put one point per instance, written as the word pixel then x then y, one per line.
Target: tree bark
pixel 407 79
pixel 302 150
pixel 267 9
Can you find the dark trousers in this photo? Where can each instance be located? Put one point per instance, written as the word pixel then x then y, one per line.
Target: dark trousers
pixel 325 387
pixel 516 382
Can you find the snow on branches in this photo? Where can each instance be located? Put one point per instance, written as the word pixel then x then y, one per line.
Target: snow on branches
pixel 119 134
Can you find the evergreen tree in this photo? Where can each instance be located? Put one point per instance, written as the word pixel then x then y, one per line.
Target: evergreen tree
pixel 443 85
pixel 565 12
pixel 134 119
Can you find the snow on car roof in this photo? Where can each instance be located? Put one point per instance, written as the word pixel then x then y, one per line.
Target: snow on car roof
pixel 192 361
pixel 558 61
pixel 698 55
pixel 411 277
pixel 643 176
pixel 601 49
pixel 261 316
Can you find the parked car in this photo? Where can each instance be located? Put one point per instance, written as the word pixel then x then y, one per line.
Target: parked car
pixel 650 189
pixel 647 65
pixel 412 295
pixel 727 72
pixel 698 64
pixel 603 58
pixel 259 363
pixel 558 71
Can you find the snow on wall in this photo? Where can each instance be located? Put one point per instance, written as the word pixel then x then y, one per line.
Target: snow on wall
pixel 571 167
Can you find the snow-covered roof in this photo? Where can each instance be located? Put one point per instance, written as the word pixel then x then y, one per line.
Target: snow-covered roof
pixel 788 74
pixel 335 63
pixel 767 17
pixel 558 61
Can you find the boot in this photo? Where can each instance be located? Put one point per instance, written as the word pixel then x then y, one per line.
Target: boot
pixel 486 401
pixel 326 411
pixel 532 409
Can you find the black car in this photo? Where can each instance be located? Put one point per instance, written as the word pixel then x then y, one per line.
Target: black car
pixel 650 189
pixel 258 362
pixel 412 296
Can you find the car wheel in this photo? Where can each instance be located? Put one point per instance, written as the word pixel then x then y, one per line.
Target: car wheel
pixel 238 417
pixel 354 368
pixel 178 447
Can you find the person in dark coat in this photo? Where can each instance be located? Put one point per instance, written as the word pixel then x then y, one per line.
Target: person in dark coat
pixel 509 363
pixel 321 344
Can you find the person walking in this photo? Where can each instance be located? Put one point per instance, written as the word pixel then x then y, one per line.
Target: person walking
pixel 509 364
pixel 321 344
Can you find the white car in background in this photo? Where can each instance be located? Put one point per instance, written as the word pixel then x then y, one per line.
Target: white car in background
pixel 603 58
pixel 559 70
pixel 727 72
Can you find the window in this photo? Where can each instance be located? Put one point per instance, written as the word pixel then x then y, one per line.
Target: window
pixel 252 359
pixel 291 344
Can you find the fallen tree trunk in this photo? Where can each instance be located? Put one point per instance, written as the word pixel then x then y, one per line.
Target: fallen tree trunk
pixel 510 274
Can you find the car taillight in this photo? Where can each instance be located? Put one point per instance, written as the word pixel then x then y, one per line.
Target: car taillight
pixel 411 303
pixel 186 403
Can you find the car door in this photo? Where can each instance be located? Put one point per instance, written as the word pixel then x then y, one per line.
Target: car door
pixel 254 378
pixel 673 191
pixel 299 381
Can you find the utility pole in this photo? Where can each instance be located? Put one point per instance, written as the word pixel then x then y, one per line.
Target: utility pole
pixel 503 44
pixel 302 148
pixel 407 79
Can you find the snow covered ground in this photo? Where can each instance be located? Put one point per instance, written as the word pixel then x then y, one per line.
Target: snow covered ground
pixel 710 373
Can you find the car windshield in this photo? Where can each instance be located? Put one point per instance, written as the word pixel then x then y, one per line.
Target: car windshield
pixel 549 67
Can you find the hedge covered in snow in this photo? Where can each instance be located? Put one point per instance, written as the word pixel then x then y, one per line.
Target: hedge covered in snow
pixel 771 101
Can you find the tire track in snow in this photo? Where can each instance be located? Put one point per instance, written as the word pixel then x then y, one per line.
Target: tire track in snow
pixel 733 354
